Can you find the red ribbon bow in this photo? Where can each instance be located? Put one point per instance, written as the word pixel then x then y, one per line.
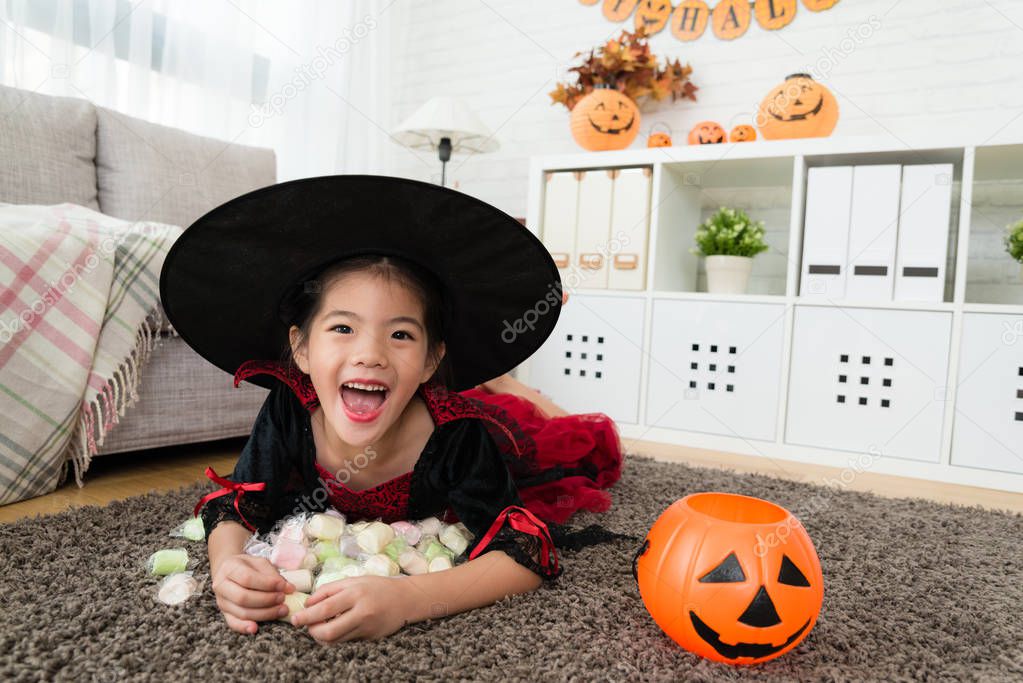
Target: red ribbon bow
pixel 522 519
pixel 229 487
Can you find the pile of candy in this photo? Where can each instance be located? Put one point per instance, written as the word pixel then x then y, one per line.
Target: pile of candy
pixel 311 550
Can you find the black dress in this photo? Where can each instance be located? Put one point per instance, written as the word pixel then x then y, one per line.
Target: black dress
pixel 461 475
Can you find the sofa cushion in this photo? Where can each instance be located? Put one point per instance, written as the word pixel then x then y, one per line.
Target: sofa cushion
pixel 146 171
pixel 47 149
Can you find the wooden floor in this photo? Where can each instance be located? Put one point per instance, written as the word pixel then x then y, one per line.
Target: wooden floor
pixel 117 476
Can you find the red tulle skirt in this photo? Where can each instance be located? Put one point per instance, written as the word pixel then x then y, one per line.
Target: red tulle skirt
pixel 562 463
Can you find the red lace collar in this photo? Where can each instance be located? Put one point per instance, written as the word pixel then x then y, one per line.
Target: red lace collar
pixel 444 405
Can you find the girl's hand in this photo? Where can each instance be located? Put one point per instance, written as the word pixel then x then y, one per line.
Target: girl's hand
pixel 249 589
pixel 360 607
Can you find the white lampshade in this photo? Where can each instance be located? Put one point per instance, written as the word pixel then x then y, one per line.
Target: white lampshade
pixel 445 117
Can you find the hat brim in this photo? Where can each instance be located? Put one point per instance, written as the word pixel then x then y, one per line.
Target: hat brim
pixel 223 279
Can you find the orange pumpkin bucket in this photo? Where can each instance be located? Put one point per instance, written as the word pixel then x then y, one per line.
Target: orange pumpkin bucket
pixel 732 578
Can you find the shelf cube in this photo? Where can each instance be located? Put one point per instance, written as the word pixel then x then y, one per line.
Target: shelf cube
pixel 591 362
pixel 715 367
pixel 988 429
pixel 869 380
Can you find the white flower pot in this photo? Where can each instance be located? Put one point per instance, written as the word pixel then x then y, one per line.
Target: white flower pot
pixel 728 274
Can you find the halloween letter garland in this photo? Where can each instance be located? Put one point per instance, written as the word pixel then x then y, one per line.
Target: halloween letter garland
pixel 688 20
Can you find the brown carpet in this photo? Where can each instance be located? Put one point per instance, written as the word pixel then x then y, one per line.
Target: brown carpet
pixel 914 590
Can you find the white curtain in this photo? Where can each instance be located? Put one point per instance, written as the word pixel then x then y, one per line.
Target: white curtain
pixel 309 79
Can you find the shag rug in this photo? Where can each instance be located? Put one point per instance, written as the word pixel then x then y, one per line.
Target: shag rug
pixel 914 590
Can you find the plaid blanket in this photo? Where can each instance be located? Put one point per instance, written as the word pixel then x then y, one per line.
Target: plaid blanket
pixel 78 319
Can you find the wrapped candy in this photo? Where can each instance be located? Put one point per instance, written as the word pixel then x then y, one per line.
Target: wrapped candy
pixel 192 529
pixel 454 539
pixel 325 527
pixel 396 547
pixel 440 563
pixel 302 579
pixel 431 526
pixel 381 565
pixel 374 537
pixel 407 530
pixel 168 561
pixel 288 555
pixel 295 602
pixel 413 562
pixel 178 587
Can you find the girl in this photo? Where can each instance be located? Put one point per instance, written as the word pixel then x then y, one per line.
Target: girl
pixel 380 404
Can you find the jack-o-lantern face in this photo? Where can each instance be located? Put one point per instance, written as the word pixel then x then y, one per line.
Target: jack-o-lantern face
pixel 658 140
pixel 731 578
pixel 707 133
pixel 653 15
pixel 798 108
pixel 605 119
pixel 742 133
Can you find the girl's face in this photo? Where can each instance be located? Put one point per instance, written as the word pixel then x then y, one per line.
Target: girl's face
pixel 368 331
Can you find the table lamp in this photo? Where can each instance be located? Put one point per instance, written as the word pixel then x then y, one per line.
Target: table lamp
pixel 446 124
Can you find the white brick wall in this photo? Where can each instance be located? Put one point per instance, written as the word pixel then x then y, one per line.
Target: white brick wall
pixel 943 66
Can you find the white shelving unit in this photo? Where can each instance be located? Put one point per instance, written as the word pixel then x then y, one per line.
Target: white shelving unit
pixel 932 390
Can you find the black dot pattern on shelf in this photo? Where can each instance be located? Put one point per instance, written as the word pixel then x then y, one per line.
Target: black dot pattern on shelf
pixel 589 364
pixel 706 364
pixel 1018 416
pixel 880 397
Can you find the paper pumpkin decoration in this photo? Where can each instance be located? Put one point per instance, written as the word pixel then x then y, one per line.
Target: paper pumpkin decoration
pixel 798 108
pixel 653 15
pixel 605 119
pixel 588 2
pixel 658 140
pixel 774 14
pixel 689 19
pixel 619 10
pixel 743 133
pixel 707 133
pixel 730 18
pixel 819 5
pixel 731 578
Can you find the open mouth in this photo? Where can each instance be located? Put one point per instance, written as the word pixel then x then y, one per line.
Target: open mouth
pixel 613 131
pixel 740 649
pixel 363 402
pixel 799 117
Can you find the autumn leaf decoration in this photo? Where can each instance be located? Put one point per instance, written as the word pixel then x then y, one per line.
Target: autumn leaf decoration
pixel 626 64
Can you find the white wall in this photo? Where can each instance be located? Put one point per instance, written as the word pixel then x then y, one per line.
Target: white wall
pixel 952 66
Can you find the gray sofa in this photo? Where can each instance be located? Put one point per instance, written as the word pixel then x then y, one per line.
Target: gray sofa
pixel 58 149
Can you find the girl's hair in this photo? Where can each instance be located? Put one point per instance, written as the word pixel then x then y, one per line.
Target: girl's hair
pixel 303 303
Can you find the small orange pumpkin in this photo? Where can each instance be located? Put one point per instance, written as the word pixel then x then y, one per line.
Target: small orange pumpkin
pixel 605 119
pixel 798 108
pixel 658 140
pixel 732 578
pixel 653 15
pixel 819 5
pixel 707 133
pixel 743 133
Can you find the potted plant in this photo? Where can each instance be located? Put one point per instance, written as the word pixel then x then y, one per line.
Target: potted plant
pixel 604 100
pixel 1014 244
pixel 729 240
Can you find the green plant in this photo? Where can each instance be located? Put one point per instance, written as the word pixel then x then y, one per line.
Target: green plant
pixel 1014 241
pixel 730 232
